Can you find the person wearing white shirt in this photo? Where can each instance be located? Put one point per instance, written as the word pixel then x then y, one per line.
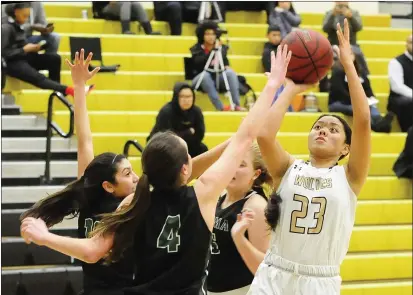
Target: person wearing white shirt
pixel 401 85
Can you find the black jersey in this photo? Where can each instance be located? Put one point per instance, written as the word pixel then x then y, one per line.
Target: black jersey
pixel 98 275
pixel 227 270
pixel 172 245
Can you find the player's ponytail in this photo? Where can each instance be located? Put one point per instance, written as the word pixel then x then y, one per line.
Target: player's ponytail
pixel 273 210
pixel 78 195
pixel 55 207
pixel 123 223
pixel 262 184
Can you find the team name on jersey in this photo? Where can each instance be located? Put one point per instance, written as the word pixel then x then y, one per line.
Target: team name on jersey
pixel 313 183
pixel 221 224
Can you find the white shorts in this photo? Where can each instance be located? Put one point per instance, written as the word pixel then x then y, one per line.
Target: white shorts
pixel 240 291
pixel 278 276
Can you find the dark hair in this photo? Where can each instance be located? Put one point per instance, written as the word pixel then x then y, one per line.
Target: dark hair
pixel 273 28
pixel 200 30
pixel 78 195
pixel 273 211
pixel 347 129
pixel 162 160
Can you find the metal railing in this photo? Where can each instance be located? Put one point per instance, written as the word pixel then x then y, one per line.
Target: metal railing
pixel 45 179
pixel 134 143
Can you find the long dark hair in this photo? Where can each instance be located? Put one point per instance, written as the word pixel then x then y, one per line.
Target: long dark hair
pixel 162 160
pixel 78 195
pixel 273 211
pixel 346 126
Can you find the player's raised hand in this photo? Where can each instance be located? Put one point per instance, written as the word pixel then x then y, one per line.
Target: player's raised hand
pixel 343 51
pixel 244 221
pixel 279 65
pixel 34 230
pixel 296 88
pixel 80 68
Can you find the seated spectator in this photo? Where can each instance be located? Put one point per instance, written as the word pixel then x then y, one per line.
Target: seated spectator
pixel 225 6
pixel 401 85
pixel 22 59
pixel 285 17
pixel 184 118
pixel 403 167
pixel 125 11
pixel 274 39
pixel 207 42
pixel 341 11
pixel 175 13
pixel 37 22
pixel 339 97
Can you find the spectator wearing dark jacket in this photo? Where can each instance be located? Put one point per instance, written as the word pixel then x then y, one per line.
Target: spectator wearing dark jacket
pixel 339 97
pixel 22 59
pixel 184 118
pixel 36 22
pixel 285 17
pixel 274 39
pixel 208 43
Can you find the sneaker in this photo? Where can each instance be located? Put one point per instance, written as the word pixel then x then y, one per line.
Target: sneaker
pixel 226 108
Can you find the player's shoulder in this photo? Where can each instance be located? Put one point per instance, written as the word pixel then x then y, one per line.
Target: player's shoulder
pixel 256 202
pixel 126 201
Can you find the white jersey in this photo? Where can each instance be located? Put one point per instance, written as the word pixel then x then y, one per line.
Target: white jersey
pixel 317 215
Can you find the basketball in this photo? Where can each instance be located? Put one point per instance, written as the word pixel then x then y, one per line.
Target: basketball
pixel 312 56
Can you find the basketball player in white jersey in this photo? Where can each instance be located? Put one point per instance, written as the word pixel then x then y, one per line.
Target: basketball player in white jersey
pixel 313 223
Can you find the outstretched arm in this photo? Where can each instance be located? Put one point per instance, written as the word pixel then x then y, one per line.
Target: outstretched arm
pixel 80 75
pixel 89 250
pixel 202 162
pixel 276 158
pixel 360 149
pixel 216 178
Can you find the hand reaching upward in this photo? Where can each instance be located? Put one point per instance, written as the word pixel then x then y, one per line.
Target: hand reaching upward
pixel 80 68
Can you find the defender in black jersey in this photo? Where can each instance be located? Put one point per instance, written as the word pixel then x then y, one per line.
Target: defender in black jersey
pixel 103 182
pixel 232 265
pixel 169 223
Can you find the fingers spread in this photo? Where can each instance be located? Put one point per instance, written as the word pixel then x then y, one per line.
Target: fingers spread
pixel 95 70
pixel 69 63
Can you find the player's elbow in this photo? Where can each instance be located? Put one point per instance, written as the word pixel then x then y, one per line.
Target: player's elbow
pixel 91 256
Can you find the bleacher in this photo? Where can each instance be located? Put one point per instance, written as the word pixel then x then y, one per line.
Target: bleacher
pixel 124 106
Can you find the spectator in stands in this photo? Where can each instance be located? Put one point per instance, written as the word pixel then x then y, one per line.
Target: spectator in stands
pixel 183 117
pixel 175 13
pixel 125 11
pixel 403 167
pixel 274 39
pixel 285 17
pixel 22 59
pixel 339 97
pixel 225 6
pixel 341 11
pixel 36 22
pixel 207 43
pixel 401 85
